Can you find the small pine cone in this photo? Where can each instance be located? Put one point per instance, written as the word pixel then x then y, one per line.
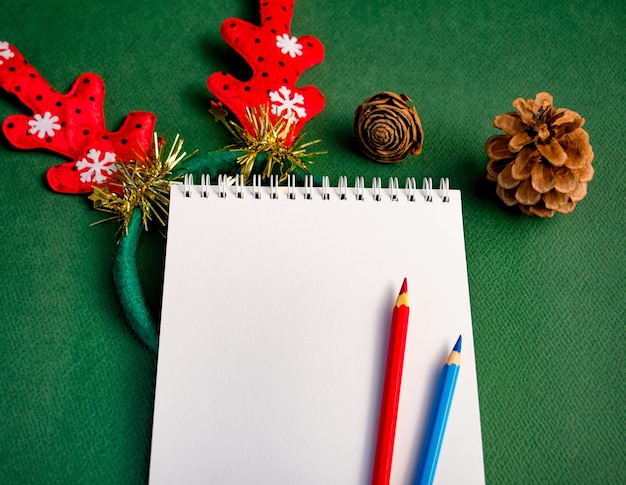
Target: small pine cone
pixel 543 162
pixel 387 129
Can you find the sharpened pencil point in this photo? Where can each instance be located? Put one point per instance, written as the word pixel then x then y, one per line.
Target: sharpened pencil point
pixel 403 296
pixel 457 346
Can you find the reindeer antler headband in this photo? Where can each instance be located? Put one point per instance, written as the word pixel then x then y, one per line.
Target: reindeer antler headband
pixel 129 172
pixel 71 125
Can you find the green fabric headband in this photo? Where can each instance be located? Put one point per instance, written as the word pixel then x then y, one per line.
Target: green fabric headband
pixel 125 272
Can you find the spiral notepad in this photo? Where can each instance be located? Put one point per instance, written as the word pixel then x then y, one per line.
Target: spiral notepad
pixel 275 325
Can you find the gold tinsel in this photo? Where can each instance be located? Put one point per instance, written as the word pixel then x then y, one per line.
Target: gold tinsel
pixel 268 137
pixel 143 183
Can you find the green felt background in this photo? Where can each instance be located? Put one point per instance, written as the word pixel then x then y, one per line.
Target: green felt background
pixel 548 296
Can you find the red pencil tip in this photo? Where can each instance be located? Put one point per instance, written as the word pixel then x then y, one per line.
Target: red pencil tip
pixel 404 287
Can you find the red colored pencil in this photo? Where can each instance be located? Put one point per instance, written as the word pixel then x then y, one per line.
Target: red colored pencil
pixel 391 389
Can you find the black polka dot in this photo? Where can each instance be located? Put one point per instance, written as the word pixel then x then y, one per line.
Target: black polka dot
pixel 86 81
pixel 48 139
pixel 257 40
pixel 261 59
pixel 32 75
pixel 105 137
pixel 18 89
pixel 138 125
pixel 124 141
pixel 91 98
pixel 233 24
pixel 85 132
pixel 12 69
pixel 285 80
pixel 225 87
pixel 39 97
pixel 247 88
pixel 281 63
pixel 264 74
pixel 78 111
pixel 63 123
pixel 59 103
pixel 10 125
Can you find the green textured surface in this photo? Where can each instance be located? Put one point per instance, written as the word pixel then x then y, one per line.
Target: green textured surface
pixel 548 296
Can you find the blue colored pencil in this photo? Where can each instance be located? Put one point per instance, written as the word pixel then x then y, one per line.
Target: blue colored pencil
pixel 438 417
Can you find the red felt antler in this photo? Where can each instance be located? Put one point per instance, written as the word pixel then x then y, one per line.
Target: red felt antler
pixel 277 60
pixel 70 124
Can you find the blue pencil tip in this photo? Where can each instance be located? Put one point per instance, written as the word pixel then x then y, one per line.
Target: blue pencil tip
pixel 457 346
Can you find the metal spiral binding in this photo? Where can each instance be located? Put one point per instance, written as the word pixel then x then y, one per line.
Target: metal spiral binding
pixel 239 186
pixel 411 188
pixel 221 186
pixel 393 188
pixel 444 189
pixel 343 187
pixel 274 187
pixel 187 184
pixel 291 186
pixel 325 188
pixel 427 189
pixel 343 192
pixel 256 186
pixel 205 185
pixel 377 188
pixel 308 187
pixel 359 187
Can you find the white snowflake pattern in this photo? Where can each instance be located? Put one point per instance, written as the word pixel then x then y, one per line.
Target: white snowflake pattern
pixel 289 45
pixel 282 102
pixel 45 125
pixel 97 170
pixel 5 51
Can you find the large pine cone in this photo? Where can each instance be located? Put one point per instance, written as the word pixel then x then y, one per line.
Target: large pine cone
pixel 543 162
pixel 387 129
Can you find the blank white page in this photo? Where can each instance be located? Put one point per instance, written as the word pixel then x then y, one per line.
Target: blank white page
pixel 274 333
